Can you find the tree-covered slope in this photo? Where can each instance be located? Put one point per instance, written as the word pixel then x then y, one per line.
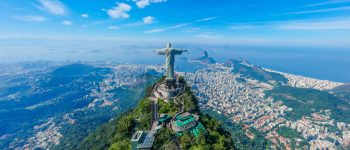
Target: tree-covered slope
pixel 215 137
pixel 306 101
pixel 116 134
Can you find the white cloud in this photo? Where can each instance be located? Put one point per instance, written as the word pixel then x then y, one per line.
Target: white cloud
pixel 31 18
pixel 329 2
pixel 295 25
pixel 206 19
pixel 134 24
pixel 52 6
pixel 113 27
pixel 207 36
pixel 243 27
pixel 67 22
pixel 191 30
pixel 158 1
pixel 167 28
pixel 145 3
pixel 85 15
pixel 120 11
pixel 178 25
pixel 320 10
pixel 145 21
pixel 316 25
pixel 155 30
pixel 148 20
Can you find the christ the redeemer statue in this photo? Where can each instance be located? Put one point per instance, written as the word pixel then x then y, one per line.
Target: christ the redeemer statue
pixel 170 53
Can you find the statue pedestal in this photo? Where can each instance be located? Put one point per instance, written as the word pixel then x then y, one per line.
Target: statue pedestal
pixel 167 90
pixel 170 83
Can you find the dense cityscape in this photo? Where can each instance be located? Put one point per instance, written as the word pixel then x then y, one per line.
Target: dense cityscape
pixel 217 88
pixel 106 98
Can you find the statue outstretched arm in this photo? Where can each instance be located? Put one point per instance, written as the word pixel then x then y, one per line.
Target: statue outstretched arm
pixel 179 51
pixel 160 51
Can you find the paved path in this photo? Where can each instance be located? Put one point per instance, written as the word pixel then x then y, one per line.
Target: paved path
pixel 155 115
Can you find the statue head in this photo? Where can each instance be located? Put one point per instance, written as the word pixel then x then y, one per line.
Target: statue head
pixel 168 45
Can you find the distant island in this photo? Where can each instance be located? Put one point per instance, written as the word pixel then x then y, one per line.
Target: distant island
pixel 204 59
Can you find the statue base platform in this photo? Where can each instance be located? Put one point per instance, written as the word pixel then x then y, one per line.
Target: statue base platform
pixel 166 92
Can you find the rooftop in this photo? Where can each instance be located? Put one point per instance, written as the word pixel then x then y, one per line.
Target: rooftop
pixel 137 135
pixel 147 143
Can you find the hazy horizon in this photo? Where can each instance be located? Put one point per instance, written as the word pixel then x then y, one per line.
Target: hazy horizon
pixel 321 63
pixel 301 37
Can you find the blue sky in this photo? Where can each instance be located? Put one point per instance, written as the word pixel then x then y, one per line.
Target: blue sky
pixel 316 23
